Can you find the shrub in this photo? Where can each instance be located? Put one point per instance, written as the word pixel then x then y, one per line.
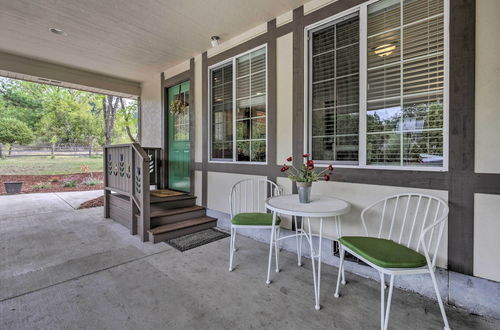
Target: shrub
pixel 40 186
pixel 70 182
pixel 92 182
pixel 14 131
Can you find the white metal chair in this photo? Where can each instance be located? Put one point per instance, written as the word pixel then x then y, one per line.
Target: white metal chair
pixel 402 239
pixel 248 211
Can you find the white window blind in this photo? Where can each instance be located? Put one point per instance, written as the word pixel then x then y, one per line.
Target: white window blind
pixel 222 112
pixel 405 59
pixel 240 135
pixel 335 91
pixel 401 45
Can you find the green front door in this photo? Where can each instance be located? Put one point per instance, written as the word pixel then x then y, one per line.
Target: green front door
pixel 179 157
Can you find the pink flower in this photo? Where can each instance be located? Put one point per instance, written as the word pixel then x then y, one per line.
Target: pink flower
pixel 289 159
pixel 330 167
pixel 326 177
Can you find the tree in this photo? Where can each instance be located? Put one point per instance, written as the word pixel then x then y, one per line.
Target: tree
pixel 126 121
pixel 109 108
pixel 14 131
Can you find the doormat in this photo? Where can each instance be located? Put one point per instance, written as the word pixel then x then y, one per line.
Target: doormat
pixel 166 193
pixel 190 241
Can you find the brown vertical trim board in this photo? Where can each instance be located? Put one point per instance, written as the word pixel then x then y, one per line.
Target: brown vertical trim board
pixel 461 135
pixel 298 88
pixel 139 120
pixel 205 128
pixel 192 123
pixel 164 153
pixel 272 104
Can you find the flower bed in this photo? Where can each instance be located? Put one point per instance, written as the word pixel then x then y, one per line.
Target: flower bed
pixel 54 183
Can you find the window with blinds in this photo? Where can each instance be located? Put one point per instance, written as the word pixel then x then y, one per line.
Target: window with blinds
pixel 222 112
pixel 400 46
pixel 335 91
pixel 240 85
pixel 405 82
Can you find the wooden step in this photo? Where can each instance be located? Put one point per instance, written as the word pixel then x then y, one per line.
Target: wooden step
pixel 181 228
pixel 161 212
pixel 160 216
pixel 174 202
pixel 154 199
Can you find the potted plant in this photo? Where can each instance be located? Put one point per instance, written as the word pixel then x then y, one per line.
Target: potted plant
pixel 305 175
pixel 13 187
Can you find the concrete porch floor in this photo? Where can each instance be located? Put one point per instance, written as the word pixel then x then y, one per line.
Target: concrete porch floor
pixel 71 269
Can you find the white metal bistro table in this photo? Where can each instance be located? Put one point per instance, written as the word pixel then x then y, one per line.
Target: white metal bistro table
pixel 320 207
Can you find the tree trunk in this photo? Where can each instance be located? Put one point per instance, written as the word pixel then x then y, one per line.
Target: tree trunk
pixel 10 149
pixel 109 106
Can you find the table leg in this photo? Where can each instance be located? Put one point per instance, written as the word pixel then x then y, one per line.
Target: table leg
pixel 316 298
pixel 271 241
pixel 338 225
pixel 300 241
pixel 318 306
pixel 277 247
pixel 299 257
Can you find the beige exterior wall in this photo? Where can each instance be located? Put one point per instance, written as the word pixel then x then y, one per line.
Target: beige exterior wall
pixel 487 86
pixel 198 191
pixel 284 72
pixel 198 109
pixel 219 186
pixel 487 156
pixel 151 112
pixel 486 234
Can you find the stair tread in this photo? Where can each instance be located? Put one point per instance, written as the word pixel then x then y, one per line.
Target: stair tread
pixel 157 211
pixel 180 225
pixel 154 199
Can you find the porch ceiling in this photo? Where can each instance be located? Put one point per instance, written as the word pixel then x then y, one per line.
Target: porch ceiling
pixel 127 39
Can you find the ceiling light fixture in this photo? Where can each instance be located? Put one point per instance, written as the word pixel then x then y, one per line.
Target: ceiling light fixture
pixel 384 50
pixel 214 40
pixel 57 31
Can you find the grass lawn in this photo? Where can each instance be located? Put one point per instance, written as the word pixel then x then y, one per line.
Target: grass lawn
pixel 47 166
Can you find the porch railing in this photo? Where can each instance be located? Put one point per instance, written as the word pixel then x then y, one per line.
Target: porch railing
pixel 129 170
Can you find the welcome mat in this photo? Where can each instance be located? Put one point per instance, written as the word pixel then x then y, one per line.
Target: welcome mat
pixel 166 193
pixel 190 241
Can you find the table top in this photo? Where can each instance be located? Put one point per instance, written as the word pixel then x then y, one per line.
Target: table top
pixel 320 206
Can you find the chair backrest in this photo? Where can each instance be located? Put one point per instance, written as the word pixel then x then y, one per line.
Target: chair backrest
pixel 249 195
pixel 414 220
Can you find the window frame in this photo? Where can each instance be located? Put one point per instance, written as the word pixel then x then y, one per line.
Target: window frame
pixel 232 60
pixel 362 10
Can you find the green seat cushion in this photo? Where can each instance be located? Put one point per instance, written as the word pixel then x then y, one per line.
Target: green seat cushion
pixel 254 219
pixel 384 253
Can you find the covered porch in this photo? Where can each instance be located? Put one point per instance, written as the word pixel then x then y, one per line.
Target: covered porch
pixel 399 96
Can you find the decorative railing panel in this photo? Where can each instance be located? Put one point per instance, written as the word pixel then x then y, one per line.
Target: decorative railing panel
pixel 118 167
pixel 154 165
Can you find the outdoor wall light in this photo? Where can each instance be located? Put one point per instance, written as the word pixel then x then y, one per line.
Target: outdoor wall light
pixel 384 50
pixel 214 40
pixel 58 31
